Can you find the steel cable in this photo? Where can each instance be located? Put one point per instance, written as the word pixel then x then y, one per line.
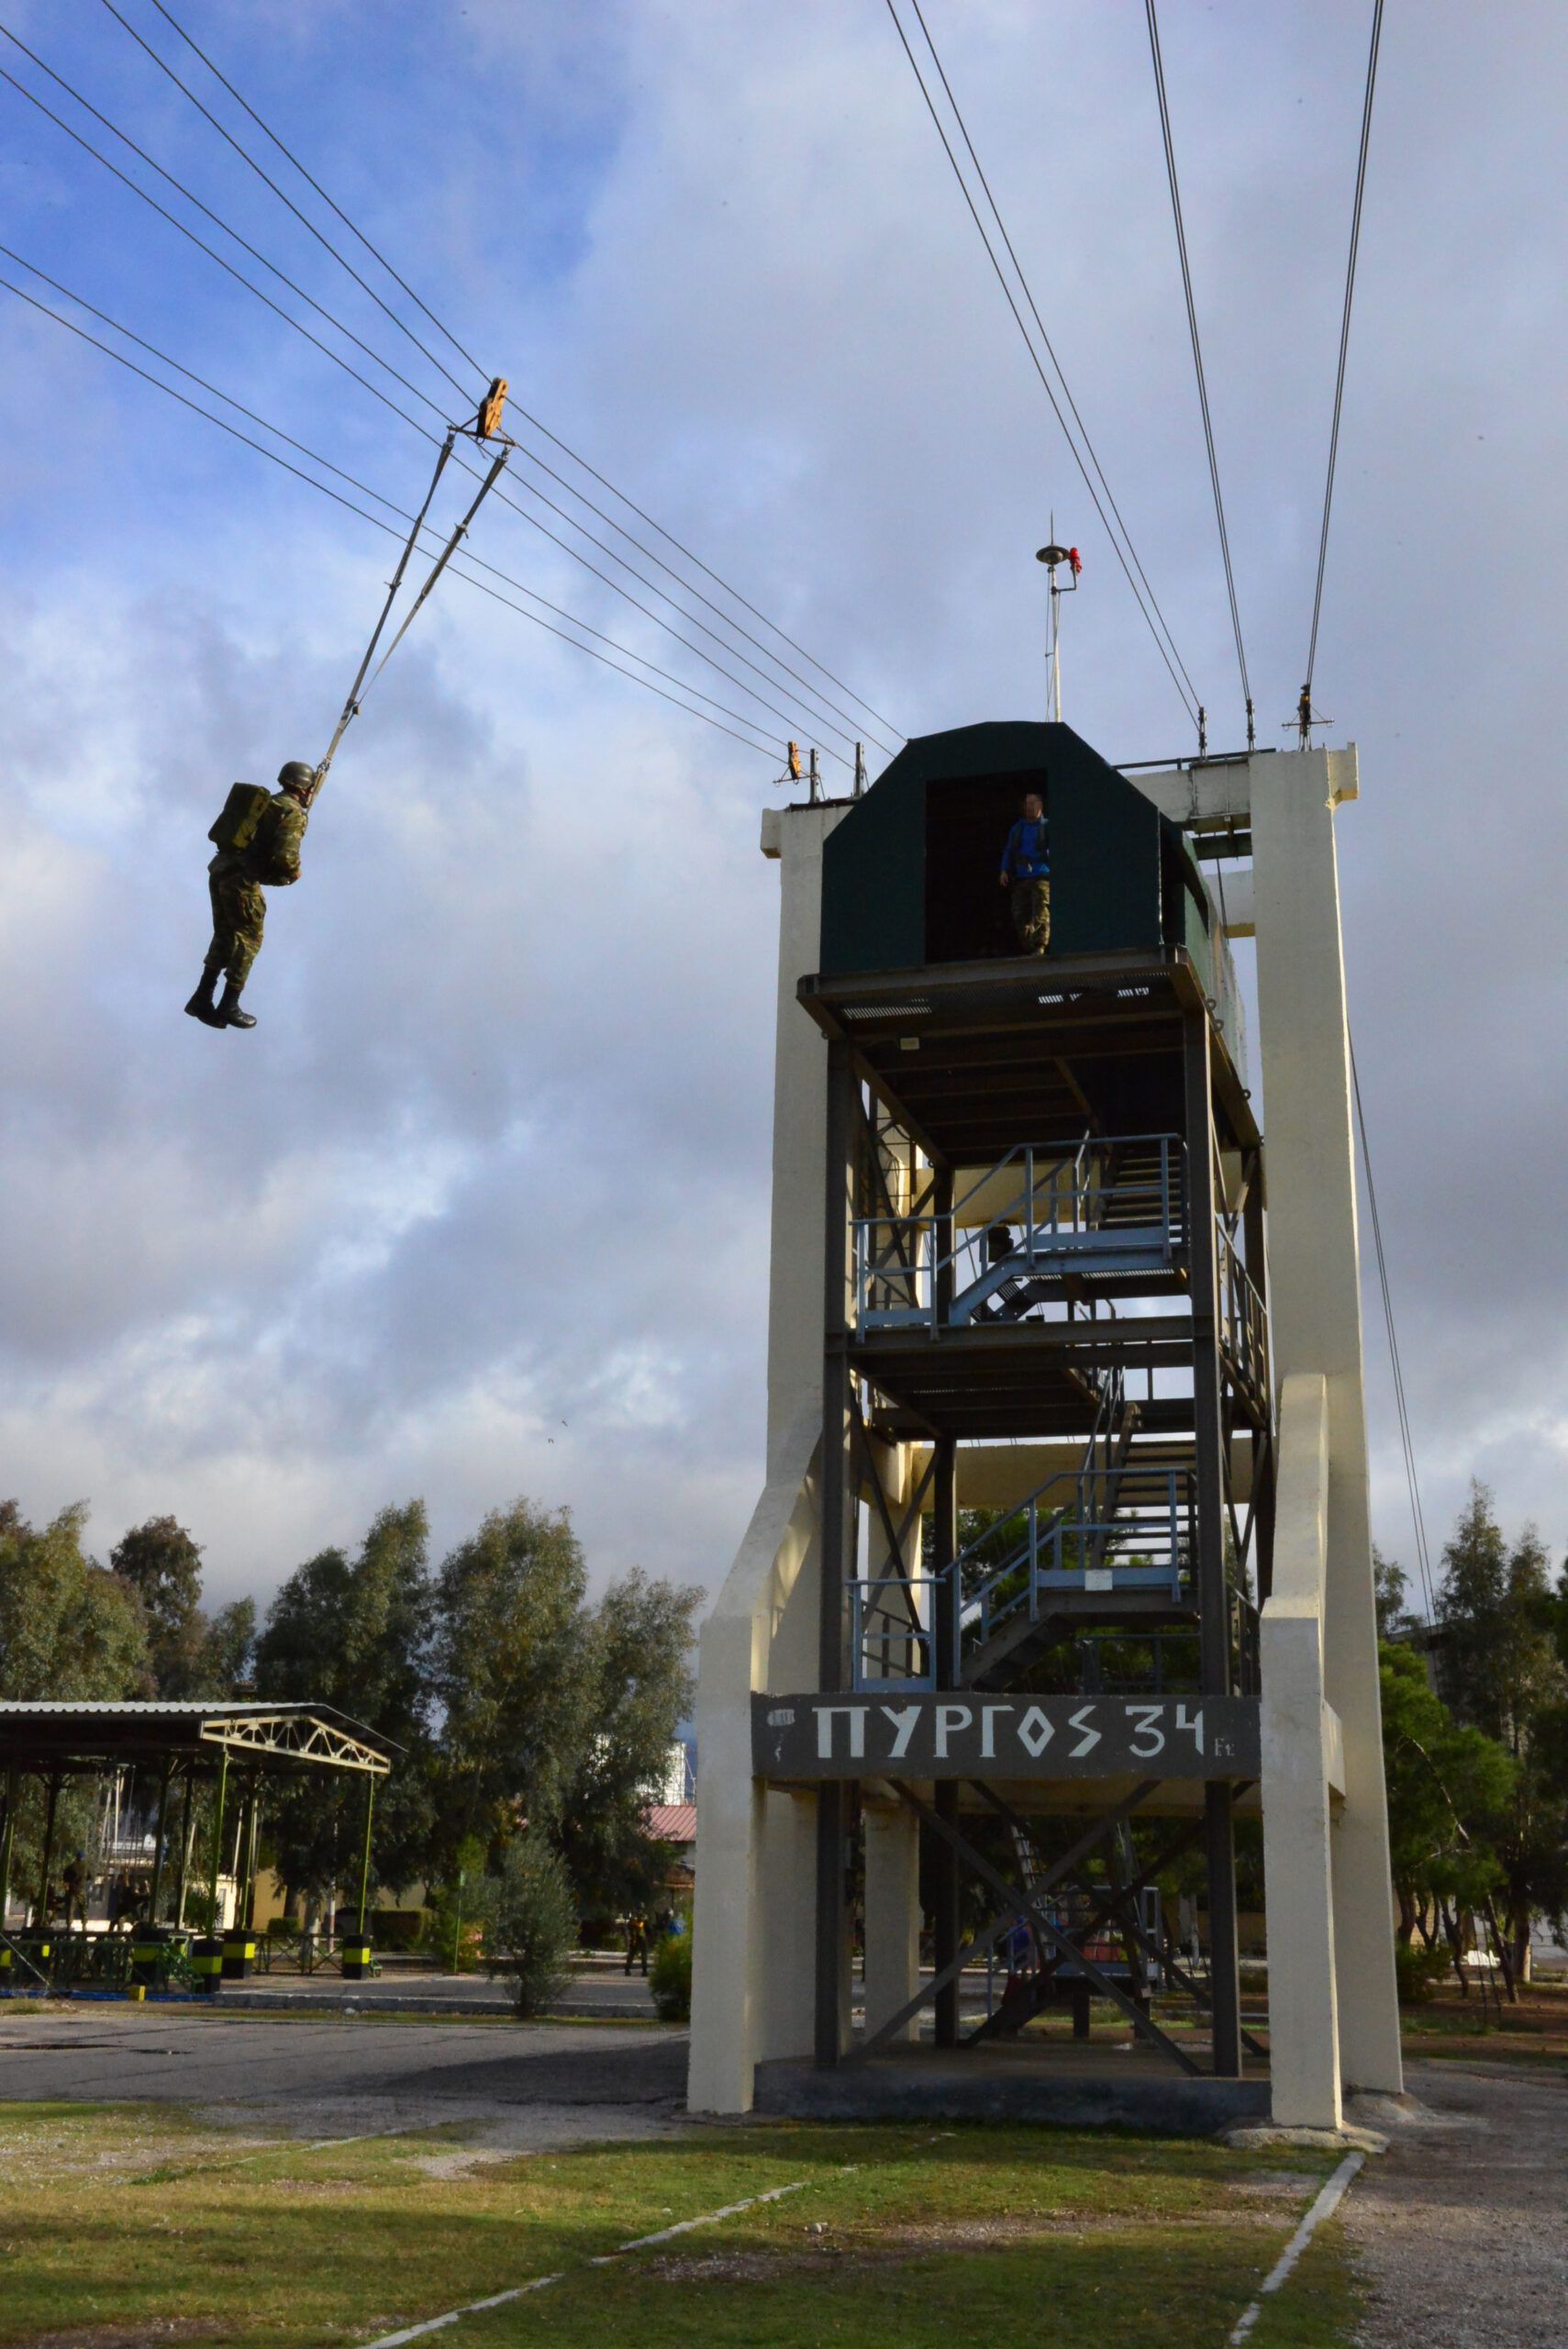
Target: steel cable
pixel 813 717
pixel 516 406
pixel 1197 349
pixel 769 748
pixel 1051 350
pixel 1344 339
pixel 1423 1558
pixel 1185 691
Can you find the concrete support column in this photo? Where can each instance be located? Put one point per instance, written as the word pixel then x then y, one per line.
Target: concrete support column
pixel 892 1914
pixel 1304 2026
pixel 1314 1275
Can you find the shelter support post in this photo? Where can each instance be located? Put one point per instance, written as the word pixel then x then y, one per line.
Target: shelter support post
pixel 159 1839
pixel 217 1869
pixel 8 1842
pixel 365 1855
pixel 46 1865
pixel 187 1826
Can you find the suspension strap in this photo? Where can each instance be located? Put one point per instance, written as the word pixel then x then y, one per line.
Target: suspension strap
pixel 444 558
pixel 351 707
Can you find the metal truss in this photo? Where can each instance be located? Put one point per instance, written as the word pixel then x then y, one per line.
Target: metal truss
pixel 298 1737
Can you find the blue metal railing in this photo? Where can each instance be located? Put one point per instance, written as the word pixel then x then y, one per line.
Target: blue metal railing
pixel 1052 1220
pixel 1105 1528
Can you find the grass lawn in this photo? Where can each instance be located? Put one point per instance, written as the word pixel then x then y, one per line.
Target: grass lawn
pixel 123 2226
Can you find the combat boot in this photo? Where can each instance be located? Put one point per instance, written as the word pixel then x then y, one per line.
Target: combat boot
pixel 228 1012
pixel 201 1005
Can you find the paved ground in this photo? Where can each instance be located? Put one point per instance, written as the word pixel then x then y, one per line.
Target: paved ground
pixel 1462 2224
pixel 506 2085
pixel 593 1993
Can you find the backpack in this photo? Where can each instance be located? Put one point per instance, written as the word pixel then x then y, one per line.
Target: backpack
pixel 242 811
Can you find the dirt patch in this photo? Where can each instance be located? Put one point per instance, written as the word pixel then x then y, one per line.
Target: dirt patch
pixel 152 2334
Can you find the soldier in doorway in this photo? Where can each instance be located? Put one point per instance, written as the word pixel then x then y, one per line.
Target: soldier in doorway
pixel 1025 871
pixel 267 853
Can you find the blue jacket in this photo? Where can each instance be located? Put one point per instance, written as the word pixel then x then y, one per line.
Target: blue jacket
pixel 1027 856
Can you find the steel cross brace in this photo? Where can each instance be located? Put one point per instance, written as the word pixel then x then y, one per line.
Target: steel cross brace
pixel 1112 1901
pixel 999 1925
pixel 1026 1905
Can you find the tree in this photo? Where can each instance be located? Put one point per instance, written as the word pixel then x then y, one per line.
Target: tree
pixel 355 1636
pixel 1499 1670
pixel 1447 1783
pixel 533 1922
pixel 192 1653
pixel 638 1645
pixel 514 1675
pixel 69 1630
pixel 1390 1583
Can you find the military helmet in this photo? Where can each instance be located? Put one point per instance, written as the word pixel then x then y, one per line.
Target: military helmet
pixel 295 776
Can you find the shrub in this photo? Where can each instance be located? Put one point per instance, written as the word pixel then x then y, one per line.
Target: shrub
pixel 534 1926
pixel 670 1977
pixel 1419 1972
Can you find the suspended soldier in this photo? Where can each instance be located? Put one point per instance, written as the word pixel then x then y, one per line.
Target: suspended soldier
pixel 258 837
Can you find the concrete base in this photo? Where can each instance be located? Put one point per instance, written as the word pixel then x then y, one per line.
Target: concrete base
pixel 945 2087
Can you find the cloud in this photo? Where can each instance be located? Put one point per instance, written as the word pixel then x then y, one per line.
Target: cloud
pixel 497 1155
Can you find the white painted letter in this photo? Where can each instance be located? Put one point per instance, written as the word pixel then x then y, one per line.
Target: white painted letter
pixel 856 1717
pixel 1147 1718
pixel 1035 1732
pixel 1196 1724
pixel 1090 1738
pixel 988 1729
pixel 949 1717
pixel 903 1718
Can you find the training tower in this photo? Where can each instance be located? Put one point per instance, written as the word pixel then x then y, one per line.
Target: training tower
pixel 1063 1562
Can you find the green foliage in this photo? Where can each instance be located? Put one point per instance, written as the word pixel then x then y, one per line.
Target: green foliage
pixel 533 1926
pixel 1390 1583
pixel 356 1636
pixel 670 1977
pixel 1447 1784
pixel 511 1673
pixel 192 1653
pixel 1500 1670
pixel 1418 1972
pixel 635 1643
pixel 67 1628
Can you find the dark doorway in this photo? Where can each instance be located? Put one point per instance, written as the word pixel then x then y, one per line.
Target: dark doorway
pixel 968 916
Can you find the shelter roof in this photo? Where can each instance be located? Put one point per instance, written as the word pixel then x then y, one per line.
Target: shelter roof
pixel 61 1735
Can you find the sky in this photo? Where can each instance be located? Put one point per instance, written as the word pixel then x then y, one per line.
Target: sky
pixel 480 1208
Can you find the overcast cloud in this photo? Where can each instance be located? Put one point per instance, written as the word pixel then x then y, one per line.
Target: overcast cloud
pixel 481 1206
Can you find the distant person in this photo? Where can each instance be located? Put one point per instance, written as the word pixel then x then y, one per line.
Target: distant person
pixel 258 838
pixel 637 1942
pixel 1026 872
pixel 73 1883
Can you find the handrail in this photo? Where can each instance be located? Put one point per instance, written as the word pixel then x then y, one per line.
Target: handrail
pixel 1059 1203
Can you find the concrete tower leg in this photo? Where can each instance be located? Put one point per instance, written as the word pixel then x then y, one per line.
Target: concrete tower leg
pixel 756 1908
pixel 1317 1329
pixel 892 1914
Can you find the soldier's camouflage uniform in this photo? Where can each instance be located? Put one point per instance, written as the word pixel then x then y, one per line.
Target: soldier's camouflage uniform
pixel 234 880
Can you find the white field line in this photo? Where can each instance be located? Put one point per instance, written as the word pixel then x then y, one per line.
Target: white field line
pixel 1327 2202
pixel 605 2259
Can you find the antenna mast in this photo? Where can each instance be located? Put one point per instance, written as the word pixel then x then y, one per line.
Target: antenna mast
pixel 1053 556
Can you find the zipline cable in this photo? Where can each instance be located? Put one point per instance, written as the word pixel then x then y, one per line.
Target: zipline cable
pixel 1045 338
pixel 1197 354
pixel 376 393
pixel 814 716
pixel 439 364
pixel 290 157
pixel 768 750
pixel 1423 1557
pixel 632 506
pixel 1344 340
pixel 1185 690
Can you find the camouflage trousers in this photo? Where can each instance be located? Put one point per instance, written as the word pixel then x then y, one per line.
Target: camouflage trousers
pixel 239 914
pixel 1031 914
